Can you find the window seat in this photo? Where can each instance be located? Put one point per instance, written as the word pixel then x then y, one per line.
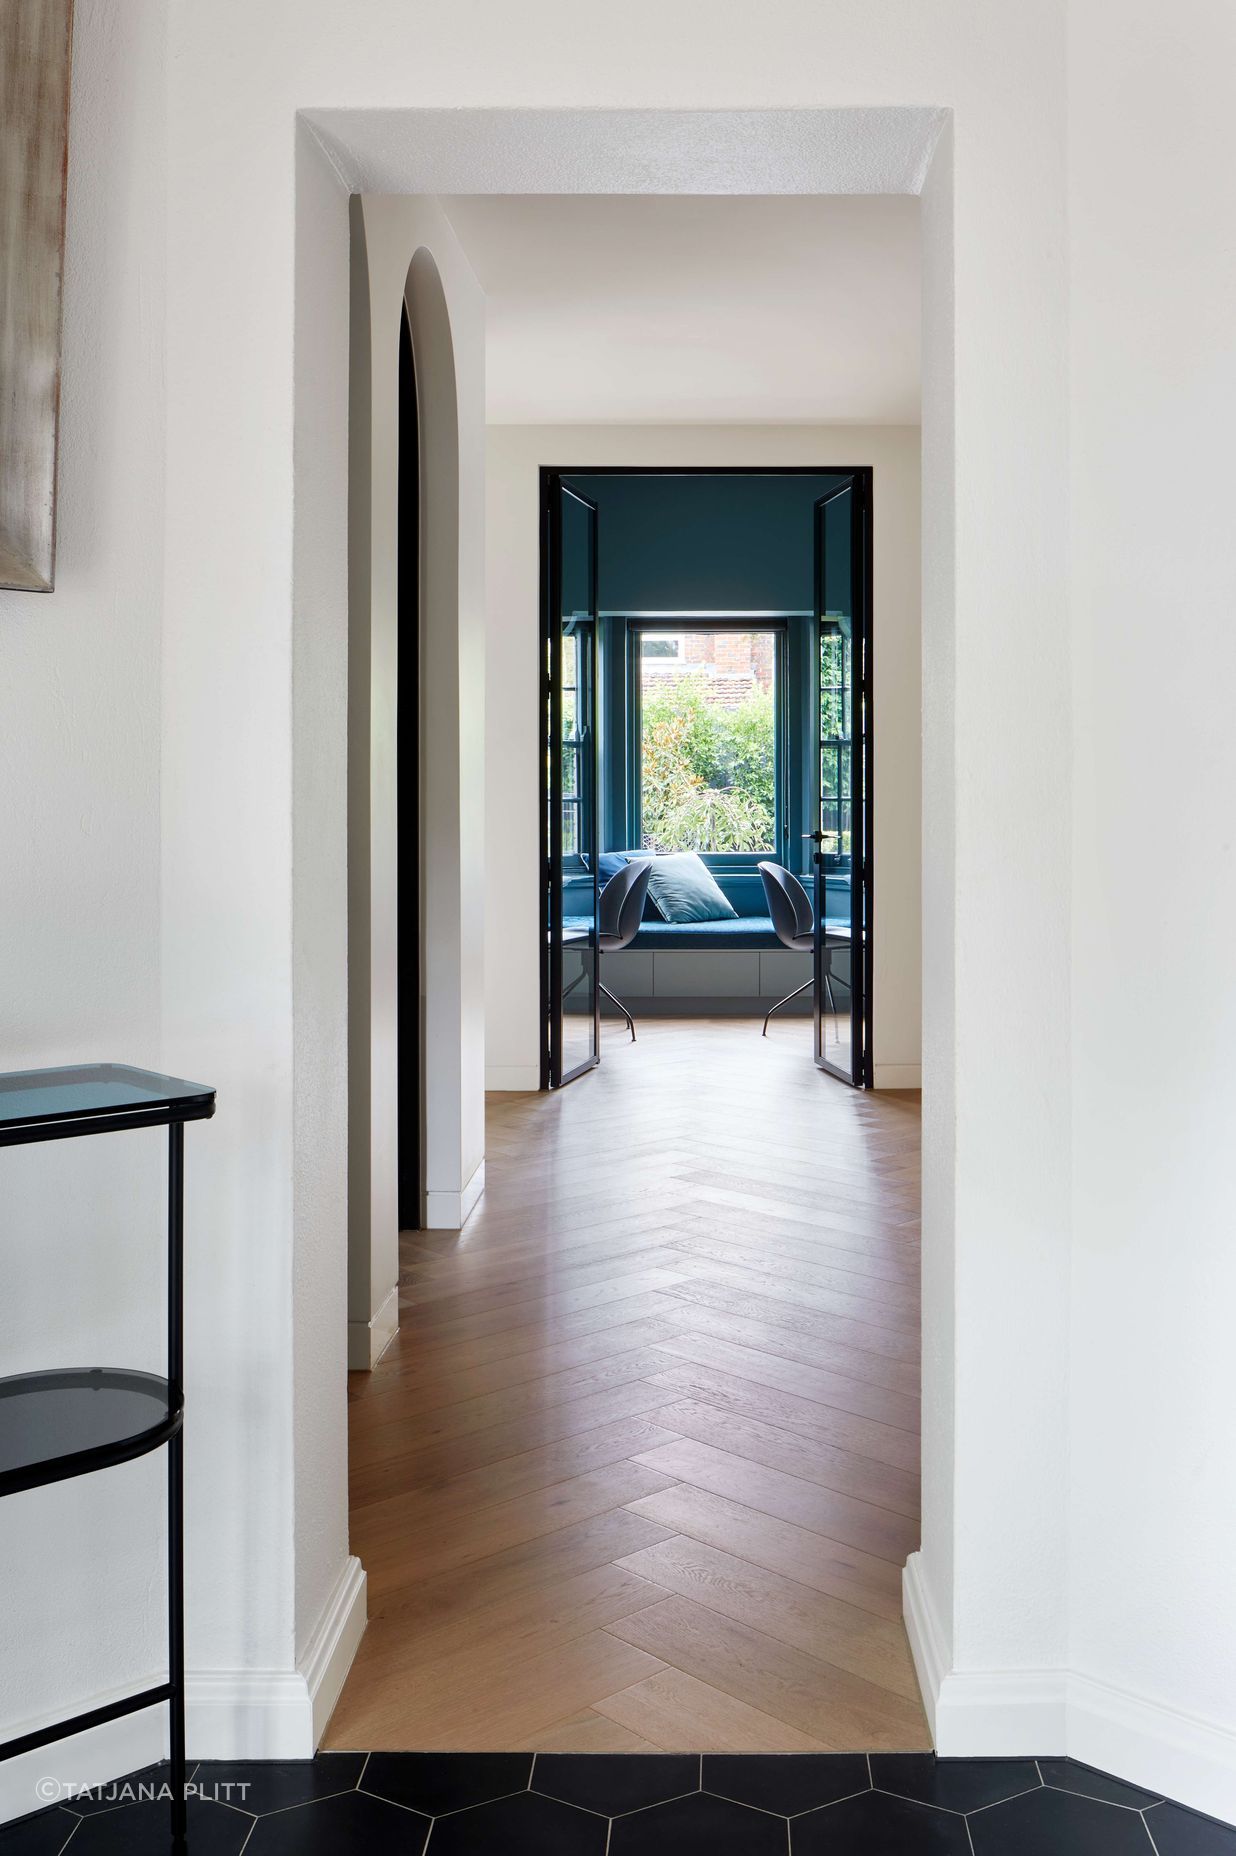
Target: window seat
pixel 734 932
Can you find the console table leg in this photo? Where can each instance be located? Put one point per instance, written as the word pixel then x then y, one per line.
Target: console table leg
pixel 175 1484
pixel 176 1636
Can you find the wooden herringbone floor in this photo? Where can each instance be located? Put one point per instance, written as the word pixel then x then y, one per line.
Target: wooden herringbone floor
pixel 641 1469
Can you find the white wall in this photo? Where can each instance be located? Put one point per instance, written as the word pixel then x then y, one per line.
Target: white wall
pixel 81 1223
pixel 515 455
pixel 1153 1469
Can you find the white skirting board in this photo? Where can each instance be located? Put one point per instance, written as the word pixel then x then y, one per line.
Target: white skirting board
pixel 368 1340
pixel 897 1076
pixel 1003 1713
pixel 229 1714
pixel 450 1211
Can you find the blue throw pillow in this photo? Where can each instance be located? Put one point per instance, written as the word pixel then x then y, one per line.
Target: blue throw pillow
pixel 685 890
pixel 609 863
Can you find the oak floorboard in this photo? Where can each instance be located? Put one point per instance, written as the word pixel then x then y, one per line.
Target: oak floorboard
pixel 826 1627
pixel 862 1579
pixel 765 1440
pixel 815 1697
pixel 586 1732
pixel 854 1398
pixel 878 1531
pixel 790 1343
pixel 681 1714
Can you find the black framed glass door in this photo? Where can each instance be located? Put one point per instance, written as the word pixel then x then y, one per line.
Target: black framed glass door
pixel 570 989
pixel 843 861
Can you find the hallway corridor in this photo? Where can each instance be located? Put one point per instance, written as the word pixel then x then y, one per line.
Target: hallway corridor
pixel 641 1468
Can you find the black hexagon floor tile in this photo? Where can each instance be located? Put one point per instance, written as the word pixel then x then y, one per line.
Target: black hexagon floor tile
pixel 698 1826
pixel 142 1830
pixel 877 1824
pixel 953 1784
pixel 1178 1832
pixel 613 1783
pixel 150 1785
pixel 787 1783
pixel 525 1825
pixel 44 1834
pixel 262 1785
pixel 1052 1823
pixel 349 1824
pixel 1069 1775
pixel 441 1782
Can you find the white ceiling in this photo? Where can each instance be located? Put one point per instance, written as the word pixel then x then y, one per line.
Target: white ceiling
pixel 665 309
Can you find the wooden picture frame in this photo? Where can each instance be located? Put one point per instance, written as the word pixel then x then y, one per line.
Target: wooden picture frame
pixel 35 42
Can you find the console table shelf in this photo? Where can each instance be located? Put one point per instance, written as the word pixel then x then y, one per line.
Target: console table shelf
pixel 56 1425
pixel 74 1420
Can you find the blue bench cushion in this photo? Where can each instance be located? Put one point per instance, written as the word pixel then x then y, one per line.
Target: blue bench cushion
pixel 736 931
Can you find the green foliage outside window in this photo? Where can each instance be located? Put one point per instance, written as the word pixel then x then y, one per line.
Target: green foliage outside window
pixel 708 773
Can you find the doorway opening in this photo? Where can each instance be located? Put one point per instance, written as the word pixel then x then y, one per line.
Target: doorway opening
pixel 640 1471
pixel 723 749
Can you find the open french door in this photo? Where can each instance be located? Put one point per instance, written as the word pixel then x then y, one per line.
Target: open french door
pixel 843 859
pixel 570 989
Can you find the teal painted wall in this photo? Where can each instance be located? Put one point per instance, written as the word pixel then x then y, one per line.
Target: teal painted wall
pixel 700 544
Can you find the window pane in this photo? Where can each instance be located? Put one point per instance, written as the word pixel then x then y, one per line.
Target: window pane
pixel 708 742
pixel 570 771
pixel 570 828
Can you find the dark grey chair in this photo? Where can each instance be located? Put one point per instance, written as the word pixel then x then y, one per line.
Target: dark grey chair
pixel 793 920
pixel 620 910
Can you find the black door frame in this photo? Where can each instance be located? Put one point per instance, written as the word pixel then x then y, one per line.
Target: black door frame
pixel 862 877
pixel 550 710
pixel 862 733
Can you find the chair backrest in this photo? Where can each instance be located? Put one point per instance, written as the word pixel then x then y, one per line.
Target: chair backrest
pixel 621 906
pixel 791 908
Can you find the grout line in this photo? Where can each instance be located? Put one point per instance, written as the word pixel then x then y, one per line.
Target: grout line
pixel 948 1809
pixel 763 1809
pixel 676 1799
pixel 300 1805
pixel 360 1777
pixel 978 1809
pixel 441 1816
pixel 813 1810
pixel 76 1822
pixel 870 1773
pixel 531 1772
pixel 1149 1832
pixel 1134 1809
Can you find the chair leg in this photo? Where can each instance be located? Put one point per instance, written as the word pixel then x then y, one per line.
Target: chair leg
pixel 805 987
pixel 622 1008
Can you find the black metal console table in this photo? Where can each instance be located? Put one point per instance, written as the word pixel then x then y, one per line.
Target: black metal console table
pixel 66 1423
